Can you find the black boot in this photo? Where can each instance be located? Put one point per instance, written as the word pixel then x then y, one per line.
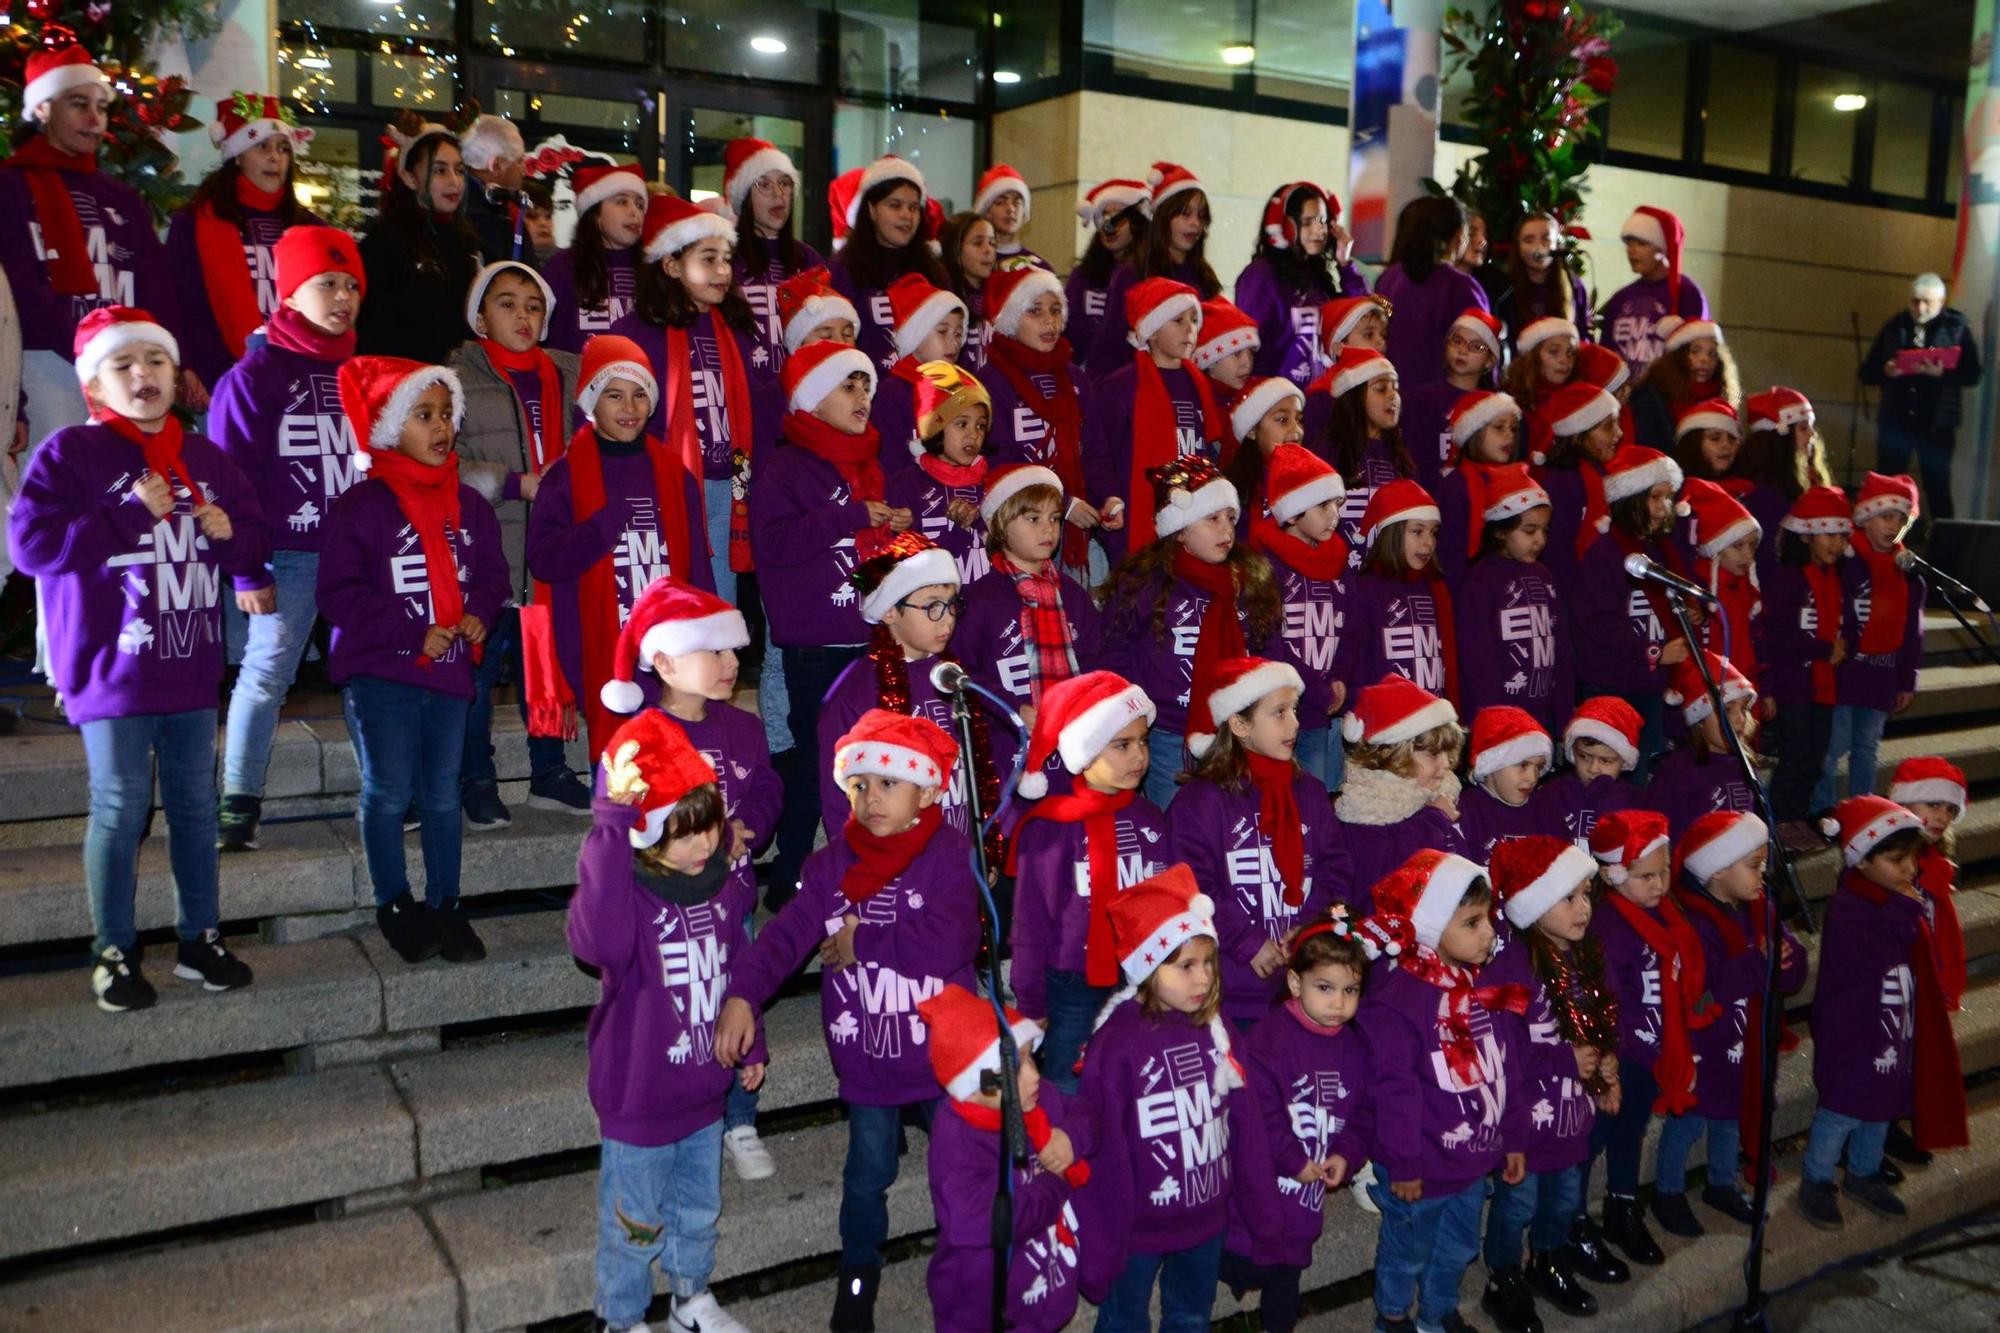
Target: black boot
pixel 1673 1212
pixel 1588 1256
pixel 1625 1227
pixel 854 1301
pixel 1549 1274
pixel 1509 1301
pixel 1903 1148
pixel 1890 1171
pixel 1821 1205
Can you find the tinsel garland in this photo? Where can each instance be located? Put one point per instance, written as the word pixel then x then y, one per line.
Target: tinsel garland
pixel 1585 1009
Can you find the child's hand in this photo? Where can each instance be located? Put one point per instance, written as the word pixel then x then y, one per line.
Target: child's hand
pixel 1839 653
pixel 1587 1061
pixel 1341 241
pixel 1082 515
pixel 152 491
pixel 472 629
pixel 735 1030
pixel 1673 654
pixel 1516 1169
pixel 1444 803
pixel 1269 959
pixel 1112 516
pixel 962 512
pixel 262 602
pixel 739 840
pixel 1339 698
pixel 1058 1153
pixel 529 485
pixel 1901 702
pixel 622 782
pixel 1786 953
pixel 1310 1172
pixel 214 523
pixel 1334 1171
pixel 837 950
pixel 1409 1191
pixel 879 514
pixel 438 640
pixel 1027 712
pixel 900 520
pixel 752 1077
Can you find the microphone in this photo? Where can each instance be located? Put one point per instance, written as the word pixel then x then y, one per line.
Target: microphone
pixel 1907 559
pixel 1646 571
pixel 948 677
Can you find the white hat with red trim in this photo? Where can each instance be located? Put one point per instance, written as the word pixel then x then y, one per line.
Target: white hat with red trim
pixel 1502 736
pixel 895 745
pixel 1860 822
pixel 1077 719
pixel 475 295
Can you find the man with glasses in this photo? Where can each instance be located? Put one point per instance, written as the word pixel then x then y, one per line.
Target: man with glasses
pixel 1922 358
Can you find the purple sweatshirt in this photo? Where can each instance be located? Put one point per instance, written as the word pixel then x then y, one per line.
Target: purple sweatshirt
pixel 200 336
pixel 1219 835
pixel 1426 430
pixel 1085 301
pixel 1163 664
pixel 1392 625
pixel 711 409
pixel 1873 680
pixel 918 934
pixel 1579 807
pixel 978 333
pixel 1108 471
pixel 802 524
pixel 732 740
pixel 1377 468
pixel 126 253
pixel 277 414
pixel 989 641
pixel 1788 641
pixel 853 694
pixel 877 333
pixel 1632 970
pixel 1484 820
pixel 893 414
pixel 1377 848
pixel 1514 641
pixel 760 289
pixel 1287 315
pixel 928 500
pixel 1110 347
pixel 1019 433
pixel 662 967
pixel 1052 893
pixel 1864 1012
pixel 1689 783
pixel 1567 501
pixel 376 592
pixel 1615 617
pixel 1718 1048
pixel 1315 616
pixel 1524 303
pixel 570 324
pixel 132 607
pixel 1560 1110
pixel 1424 314
pixel 1632 316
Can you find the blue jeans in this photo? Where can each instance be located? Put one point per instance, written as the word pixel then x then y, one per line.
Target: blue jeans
pixel 809 673
pixel 1507 1219
pixel 1322 756
pixel 739 1106
pixel 1856 735
pixel 1558 1198
pixel 715 502
pixel 874 1142
pixel 1423 1250
pixel 120 753
pixel 1073 1007
pixel 409 741
pixel 656 1203
pixel 1679 1133
pixel 502 661
pixel 1895 441
pixel 1169 756
pixel 1187 1291
pixel 1831 1131
pixel 273 647
pixel 1621 1138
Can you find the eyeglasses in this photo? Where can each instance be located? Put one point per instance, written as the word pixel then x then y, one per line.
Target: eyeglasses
pixel 937 610
pixel 1457 344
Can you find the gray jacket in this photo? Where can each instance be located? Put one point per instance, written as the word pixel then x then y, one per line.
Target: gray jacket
pixel 493 445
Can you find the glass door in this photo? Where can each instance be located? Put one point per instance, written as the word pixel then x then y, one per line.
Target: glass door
pixel 697 122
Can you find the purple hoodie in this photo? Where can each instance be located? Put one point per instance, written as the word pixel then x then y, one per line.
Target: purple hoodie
pixel 853 694
pixel 1632 316
pixel 125 251
pixel 1392 625
pixel 662 967
pixel 1514 641
pixel 1426 431
pixel 1873 680
pixel 711 409
pixel 1560 1110
pixel 1315 616
pixel 1287 316
pixel 988 638
pixel 1566 505
pixel 893 414
pixel 1579 807
pixel 132 606
pixel 1424 314
pixel 570 324
pixel 760 289
pixel 1718 1048
pixel 1377 467
pixel 928 501
pixel 1020 435
pixel 1615 617
pixel 1086 303
pixel 1689 783
pixel 1377 849
pixel 1108 471
pixel 1484 820
pixel 1052 892
pixel 1163 664
pixel 1864 1012
pixel 1788 641
pixel 1632 971
pixel 200 336
pixel 802 524
pixel 918 934
pixel 732 741
pixel 277 414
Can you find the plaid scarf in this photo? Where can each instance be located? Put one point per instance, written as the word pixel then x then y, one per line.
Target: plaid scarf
pixel 1044 625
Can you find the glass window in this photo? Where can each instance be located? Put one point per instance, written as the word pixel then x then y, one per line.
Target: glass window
pixel 331 181
pixel 757 39
pixel 316 75
pixel 554 110
pixel 904 48
pixel 1741 102
pixel 1027 47
pixel 400 18
pixel 424 82
pixel 710 131
pixel 1305 49
pixel 1650 105
pixel 609 29
pixel 1178 43
pixel 1954 164
pixel 1902 155
pixel 1829 103
pixel 945 148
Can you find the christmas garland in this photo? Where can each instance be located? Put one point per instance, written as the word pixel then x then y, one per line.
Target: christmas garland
pixel 1585 1009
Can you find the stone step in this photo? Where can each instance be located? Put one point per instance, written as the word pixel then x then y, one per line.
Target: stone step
pixel 1954 690
pixel 1978 840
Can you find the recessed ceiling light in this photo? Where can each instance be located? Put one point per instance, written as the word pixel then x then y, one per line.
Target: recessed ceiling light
pixel 1005 76
pixel 1241 54
pixel 1849 102
pixel 768 46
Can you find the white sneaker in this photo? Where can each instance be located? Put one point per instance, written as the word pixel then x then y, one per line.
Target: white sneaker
pixel 747 1154
pixel 1358 1187
pixel 701 1314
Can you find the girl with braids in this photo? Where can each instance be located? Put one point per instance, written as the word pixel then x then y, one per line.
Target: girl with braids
pixel 420 253
pixel 596 280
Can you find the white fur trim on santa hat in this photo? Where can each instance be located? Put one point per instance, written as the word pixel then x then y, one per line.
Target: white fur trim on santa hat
pixel 823 378
pixel 55 82
pixel 389 421
pixel 1414 514
pixel 253 132
pixel 1436 713
pixel 1515 502
pixel 1159 315
pixel 1543 329
pixel 1010 183
pixel 1017 480
pixel 1688 330
pixel 652 823
pixel 1442 892
pixel 1694 421
pixel 965 1083
pixel 1481 415
pixel 1941 791
pixel 1612 739
pixel 887 760
pixel 1790 415
pixel 1855 850
pixel 1880 504
pixel 723 630
pixel 1468 321
pixel 1638 480
pixel 1743 836
pixel 1091 731
pixel 1746 526
pixel 821 308
pixel 1513 750
pixel 638 372
pixel 1145 957
pixel 624 180
pixel 1038 283
pixel 1601 406
pixel 755 167
pixel 932 566
pixel 475 295
pixel 1108 199
pixel 1527 905
pixel 1616 870
pixel 883 169
pixel 1644 227
pixel 701 225
pixel 1818 527
pixel 1244 416
pixel 1207 355
pixel 1159 191
pixel 1182 508
pixel 1701 706
pixel 1326 486
pixel 928 316
pixel 122 334
pixel 1354 377
pixel 1242 693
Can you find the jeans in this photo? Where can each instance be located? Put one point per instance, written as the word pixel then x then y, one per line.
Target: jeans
pixel 1073 1005
pixel 656 1203
pixel 1801 733
pixel 501 661
pixel 409 741
pixel 1278 1309
pixel 809 673
pixel 1322 756
pixel 273 647
pixel 715 501
pixel 120 753
pixel 739 1105
pixel 874 1143
pixel 1895 441
pixel 1831 1131
pixel 1187 1291
pixel 1679 1133
pixel 1507 1219
pixel 1423 1250
pixel 1558 1197
pixel 1854 734
pixel 1169 756
pixel 1621 1137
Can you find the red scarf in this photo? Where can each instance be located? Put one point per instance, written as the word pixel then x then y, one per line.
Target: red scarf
pixel 1221 635
pixel 853 456
pixel 878 861
pixel 1936 876
pixel 1742 600
pixel 1939 1092
pixel 535 361
pixel 1665 553
pixel 953 475
pixel 684 439
pixel 1098 813
pixel 428 497
pixel 42 164
pixel 1278 816
pixel 1823 582
pixel 1326 562
pixel 225 270
pixel 1019 363
pixel 1750 1109
pixel 162 449
pixel 1156 439
pixel 1683 990
pixel 1477 478
pixel 288 329
pixel 1454 1030
pixel 1888 599
pixel 1595 506
pixel 1044 624
pixel 1037 1122
pixel 1447 622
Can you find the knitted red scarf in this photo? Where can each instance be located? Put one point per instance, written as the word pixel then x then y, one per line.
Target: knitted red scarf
pixel 288 329
pixel 879 860
pixel 42 164
pixel 1939 1093
pixel 1098 813
pixel 536 362
pixel 1278 816
pixel 1823 582
pixel 1063 411
pixel 1221 634
pixel 1044 624
pixel 1937 877
pixel 225 270
pixel 428 497
pixel 684 439
pixel 1454 1029
pixel 1888 598
pixel 1326 562
pixel 1683 989
pixel 853 456
pixel 956 475
pixel 1750 1109
pixel 1038 1126
pixel 1156 438
pixel 162 449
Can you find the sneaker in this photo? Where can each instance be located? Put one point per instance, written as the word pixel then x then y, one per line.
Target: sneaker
pixel 1673 1213
pixel 1820 1205
pixel 236 822
pixel 410 929
pixel 206 961
pixel 483 807
pixel 747 1154
pixel 1508 1299
pixel 854 1300
pixel 1730 1203
pixel 1874 1194
pixel 564 793
pixel 701 1314
pixel 457 941
pixel 118 984
pixel 1357 1189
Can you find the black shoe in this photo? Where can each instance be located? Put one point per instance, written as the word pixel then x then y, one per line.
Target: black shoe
pixel 1625 1227
pixel 1891 1173
pixel 1458 1323
pixel 206 961
pixel 410 928
pixel 118 983
pixel 1550 1277
pixel 1874 1194
pixel 457 942
pixel 236 822
pixel 1820 1205
pixel 1903 1148
pixel 1730 1203
pixel 854 1301
pixel 1384 1324
pixel 1588 1256
pixel 1673 1213
pixel 1510 1302
pixel 564 793
pixel 483 807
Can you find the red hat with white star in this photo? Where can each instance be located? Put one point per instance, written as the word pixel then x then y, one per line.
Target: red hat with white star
pixel 919 308
pixel 1532 874
pixel 1401 501
pixel 108 328
pixel 1777 408
pixel 1503 735
pixel 807 300
pixel 1717 841
pixel 1611 722
pixel 1393 710
pixel 964 1040
pixel 1820 511
pixel 1149 922
pixel 672 616
pixel 1152 303
pixel 1511 490
pixel 1690 694
pixel 1235 683
pixel 1426 890
pixel 1929 778
pixel 673 224
pixel 1623 838
pixel 1860 822
pixel 1225 329
pixel 747 161
pixel 1001 179
pixel 667 761
pixel 1077 719
pixel 895 745
pixel 1296 479
pixel 1880 494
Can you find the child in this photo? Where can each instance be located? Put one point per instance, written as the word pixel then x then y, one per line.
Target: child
pixel 128 525
pixel 1003 200
pixel 1302 541
pixel 930 326
pixel 1881 620
pixel 596 280
pixel 1724 540
pixel 1601 744
pixel 1072 855
pixel 1471 351
pixel 408 634
pixel 1348 321
pixel 515 429
pixel 965 1152
pixel 1933 789
pixel 1446 1067
pixel 1307 1066
pixel 1542 277
pixel 1544 360
pixel 1784 457
pixel 1265 414
pixel 1708 444
pixel 1543 886
pixel 1511 752
pixel 1175 248
pixel 1635 317
pixel 1882 1040
pixel 1653 962
pixel 1226 349
pixel 1304 258
pixel 1701 773
pixel 1694 366
pixel 1399 616
pixel 1360 437
pixel 1800 646
pixel 1485 434
pixel 942 492
pixel 761 184
pixel 810 311
pixel 1253 828
pixel 1719 883
pixel 1116 213
pixel 965 243
pixel 660 916
pixel 892 908
pixel 276 413
pixel 886 215
pixel 1399 795
pixel 1514 634
pixel 1576 434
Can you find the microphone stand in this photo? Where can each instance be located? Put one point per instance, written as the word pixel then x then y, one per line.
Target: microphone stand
pixel 1981 648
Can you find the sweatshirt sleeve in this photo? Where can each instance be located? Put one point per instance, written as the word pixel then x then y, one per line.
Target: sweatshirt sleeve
pixel 348 597
pixel 1195 825
pixel 242 427
pixel 790 530
pixel 491 581
pixel 1793 975
pixel 560 549
pixel 1357 1130
pixel 244 555
pixel 766 795
pixel 1267 1089
pixel 1107 1200
pixel 1033 936
pixel 780 948
pixel 56 527
pixel 1392 1079
pixel 603 922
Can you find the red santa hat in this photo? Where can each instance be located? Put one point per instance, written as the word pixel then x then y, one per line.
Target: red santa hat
pixel 884 170
pixel 1714 414
pixel 1532 874
pixel 1503 735
pixel 1635 469
pixel 668 763
pixel 1393 710
pixel 1858 823
pixel 1426 891
pixel 245 120
pixel 1001 179
pixel 807 300
pixel 815 370
pixel 304 252
pixel 1598 365
pixel 1355 366
pixel 1720 520
pixel 1296 479
pixel 378 393
pixel 1676 332
pixel 607 357
pixel 1010 291
pixel 747 161
pixel 1078 719
pixel 1153 302
pixel 1717 841
pixel 592 185
pixel 1777 408
pixel 475 295
pixel 1236 683
pixel 1004 483
pixel 1689 692
pixel 964 1041
pixel 1880 494
pixel 895 745
pixel 1571 410
pixel 1475 411
pixel 1663 231
pixel 1166 180
pixel 1543 329
pixel 1107 199
pixel 1224 329
pixel 1401 501
pixel 1611 722
pixel 1188 490
pixel 670 617
pixel 108 328
pixel 1480 325
pixel 1511 490
pixel 1259 394
pixel 1929 778
pixel 888 569
pixel 1623 838
pixel 673 224
pixel 843 201
pixel 1820 511
pixel 1151 921
pixel 943 390
pixel 1279 228
pixel 1340 316
pixel 919 308
pixel 51 73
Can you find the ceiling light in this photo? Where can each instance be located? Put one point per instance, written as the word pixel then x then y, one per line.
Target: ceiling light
pixel 1849 101
pixel 1240 54
pixel 1005 76
pixel 315 62
pixel 767 46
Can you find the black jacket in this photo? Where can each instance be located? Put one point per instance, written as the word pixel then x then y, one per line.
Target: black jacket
pixel 420 315
pixel 1923 402
pixel 494 225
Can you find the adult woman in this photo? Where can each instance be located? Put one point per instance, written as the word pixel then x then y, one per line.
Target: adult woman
pixel 1540 282
pixel 1427 288
pixel 970 254
pixel 886 242
pixel 1292 275
pixel 420 253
